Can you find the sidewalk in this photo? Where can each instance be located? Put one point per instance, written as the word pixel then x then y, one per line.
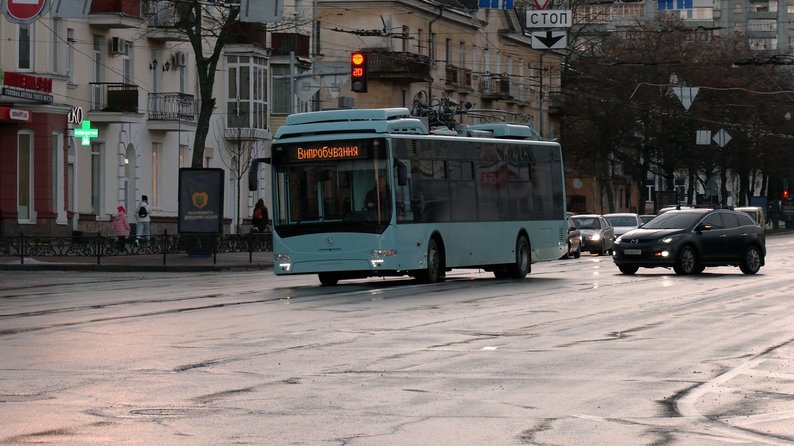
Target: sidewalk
pixel 173 263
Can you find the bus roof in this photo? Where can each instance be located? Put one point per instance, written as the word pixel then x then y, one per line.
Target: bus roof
pixel 388 121
pixel 381 120
pixel 508 131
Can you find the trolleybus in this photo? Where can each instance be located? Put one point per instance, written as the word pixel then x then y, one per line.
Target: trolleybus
pixel 362 193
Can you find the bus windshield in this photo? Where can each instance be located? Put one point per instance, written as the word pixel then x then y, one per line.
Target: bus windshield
pixel 344 186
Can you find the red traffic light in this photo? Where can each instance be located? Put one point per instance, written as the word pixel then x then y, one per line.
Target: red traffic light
pixel 358 72
pixel 785 193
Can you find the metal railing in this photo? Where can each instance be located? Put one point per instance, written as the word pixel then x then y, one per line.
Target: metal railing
pixel 99 246
pixel 172 107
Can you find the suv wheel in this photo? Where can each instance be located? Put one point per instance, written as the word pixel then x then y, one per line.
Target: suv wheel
pixel 685 263
pixel 629 270
pixel 751 261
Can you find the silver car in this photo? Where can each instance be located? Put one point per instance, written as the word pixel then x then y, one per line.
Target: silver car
pixel 623 222
pixel 598 235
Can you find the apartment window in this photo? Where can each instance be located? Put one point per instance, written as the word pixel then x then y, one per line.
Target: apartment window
pixel 157 173
pixel 247 92
pixel 97 92
pixel 25 47
pixel 24 175
pixel 127 61
pixel 405 36
pixel 762 25
pixel 448 51
pixel 474 65
pixel 57 176
pixel 420 42
pixel 462 54
pixel 96 177
pixel 431 48
pixel 70 55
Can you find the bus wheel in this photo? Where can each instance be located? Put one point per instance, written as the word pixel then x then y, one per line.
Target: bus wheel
pixel 328 279
pixel 521 268
pixel 434 272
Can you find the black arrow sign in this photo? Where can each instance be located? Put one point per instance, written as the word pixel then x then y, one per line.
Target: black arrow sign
pixel 550 39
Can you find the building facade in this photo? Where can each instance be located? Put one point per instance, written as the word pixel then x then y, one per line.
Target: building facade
pixel 96 112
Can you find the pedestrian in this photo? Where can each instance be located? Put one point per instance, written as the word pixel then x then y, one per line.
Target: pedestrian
pixel 260 218
pixel 142 219
pixel 121 227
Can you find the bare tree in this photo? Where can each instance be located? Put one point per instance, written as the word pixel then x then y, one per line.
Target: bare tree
pixel 236 154
pixel 209 26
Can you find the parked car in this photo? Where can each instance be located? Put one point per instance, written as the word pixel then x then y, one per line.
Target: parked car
pixel 756 213
pixel 598 236
pixel 574 241
pixel 645 218
pixel 691 240
pixel 623 222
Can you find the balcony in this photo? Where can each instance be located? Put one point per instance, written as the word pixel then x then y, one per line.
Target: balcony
pixel 397 66
pixel 458 79
pixel 495 86
pixel 113 102
pixel 110 14
pixel 162 18
pixel 172 112
pixel 284 43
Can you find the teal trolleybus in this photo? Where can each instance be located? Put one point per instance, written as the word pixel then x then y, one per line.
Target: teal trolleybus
pixel 362 193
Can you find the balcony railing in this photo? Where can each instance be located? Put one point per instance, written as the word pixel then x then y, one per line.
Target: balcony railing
pixel 114 97
pixel 397 65
pixel 172 107
pixel 458 79
pixel 495 86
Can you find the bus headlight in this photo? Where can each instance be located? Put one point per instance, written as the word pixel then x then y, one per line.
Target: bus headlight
pixel 376 256
pixel 284 261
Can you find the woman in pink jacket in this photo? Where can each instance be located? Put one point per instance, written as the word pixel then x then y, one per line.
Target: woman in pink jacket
pixel 120 227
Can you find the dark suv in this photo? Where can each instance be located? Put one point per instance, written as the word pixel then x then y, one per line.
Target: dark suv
pixel 690 240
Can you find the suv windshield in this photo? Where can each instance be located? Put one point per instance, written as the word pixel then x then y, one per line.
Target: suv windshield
pixel 674 220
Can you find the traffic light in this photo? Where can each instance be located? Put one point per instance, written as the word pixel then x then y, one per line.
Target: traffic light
pixel 358 72
pixel 785 193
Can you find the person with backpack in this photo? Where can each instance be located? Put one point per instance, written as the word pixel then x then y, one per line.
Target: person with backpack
pixel 260 218
pixel 142 220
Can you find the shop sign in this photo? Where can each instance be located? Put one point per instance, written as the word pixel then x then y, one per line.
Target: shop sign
pixel 75 116
pixel 27 82
pixel 19 115
pixel 14 114
pixel 29 95
pixel 86 133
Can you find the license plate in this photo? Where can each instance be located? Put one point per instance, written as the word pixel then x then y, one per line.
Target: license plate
pixel 632 252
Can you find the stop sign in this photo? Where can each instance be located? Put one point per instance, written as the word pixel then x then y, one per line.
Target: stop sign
pixel 23 11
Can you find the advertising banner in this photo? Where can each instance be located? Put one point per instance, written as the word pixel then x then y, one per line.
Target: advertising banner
pixel 200 201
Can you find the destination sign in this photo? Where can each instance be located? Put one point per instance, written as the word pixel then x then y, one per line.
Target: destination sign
pixel 342 150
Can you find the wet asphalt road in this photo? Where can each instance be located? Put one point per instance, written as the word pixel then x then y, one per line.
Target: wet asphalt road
pixel 576 354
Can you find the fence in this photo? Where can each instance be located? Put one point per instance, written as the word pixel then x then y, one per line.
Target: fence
pixel 99 246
